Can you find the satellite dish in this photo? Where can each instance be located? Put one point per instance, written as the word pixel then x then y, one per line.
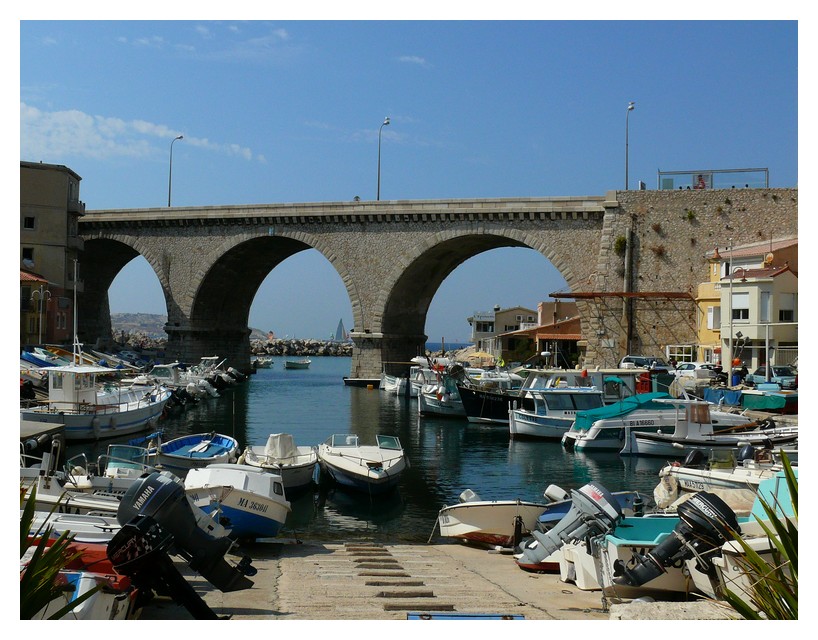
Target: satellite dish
pixel 768 259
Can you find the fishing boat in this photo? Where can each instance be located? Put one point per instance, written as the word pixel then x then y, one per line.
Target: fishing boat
pixel 195 450
pixel 554 412
pixel 262 362
pixel 441 399
pixel 693 429
pixel 693 552
pixel 295 464
pixel 303 363
pixel 91 410
pixel 608 428
pixel 248 501
pixel 372 469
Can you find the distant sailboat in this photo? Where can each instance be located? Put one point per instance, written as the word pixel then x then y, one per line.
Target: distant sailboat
pixel 341 334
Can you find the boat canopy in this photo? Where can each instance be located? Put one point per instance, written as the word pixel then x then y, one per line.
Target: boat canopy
pixel 585 419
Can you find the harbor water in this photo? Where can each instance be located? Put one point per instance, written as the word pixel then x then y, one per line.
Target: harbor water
pixel 446 455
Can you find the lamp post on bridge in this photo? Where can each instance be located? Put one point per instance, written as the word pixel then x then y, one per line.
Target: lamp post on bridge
pixel 380 131
pixel 627 125
pixel 170 166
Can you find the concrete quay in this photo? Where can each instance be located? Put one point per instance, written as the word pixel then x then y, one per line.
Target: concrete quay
pixel 371 581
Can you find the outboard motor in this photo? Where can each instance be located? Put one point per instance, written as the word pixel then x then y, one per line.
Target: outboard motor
pixel 159 520
pixel 747 452
pixel 594 510
pixel 694 459
pixel 705 523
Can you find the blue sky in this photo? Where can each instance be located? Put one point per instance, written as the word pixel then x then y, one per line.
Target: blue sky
pixel 289 111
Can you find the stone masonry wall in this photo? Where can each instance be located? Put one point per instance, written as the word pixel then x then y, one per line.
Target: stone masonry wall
pixel 672 231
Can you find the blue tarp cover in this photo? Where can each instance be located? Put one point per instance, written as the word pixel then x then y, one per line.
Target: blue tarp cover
pixel 730 397
pixel 586 418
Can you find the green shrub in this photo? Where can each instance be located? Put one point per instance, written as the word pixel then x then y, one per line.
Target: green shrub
pixel 774 588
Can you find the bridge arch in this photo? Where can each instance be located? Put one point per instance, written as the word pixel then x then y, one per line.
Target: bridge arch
pixel 417 274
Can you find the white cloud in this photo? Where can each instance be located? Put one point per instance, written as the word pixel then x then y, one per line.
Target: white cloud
pixel 45 134
pixel 414 60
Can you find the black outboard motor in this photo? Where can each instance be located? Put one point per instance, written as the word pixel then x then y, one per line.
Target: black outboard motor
pixel 159 520
pixel 695 459
pixel 594 510
pixel 705 523
pixel 747 452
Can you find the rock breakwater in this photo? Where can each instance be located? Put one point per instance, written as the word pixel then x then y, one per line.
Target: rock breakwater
pixel 300 347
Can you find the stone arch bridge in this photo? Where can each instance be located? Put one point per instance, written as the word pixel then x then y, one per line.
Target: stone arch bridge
pixel 392 256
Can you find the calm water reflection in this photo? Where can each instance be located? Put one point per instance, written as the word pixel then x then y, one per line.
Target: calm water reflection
pixel 446 455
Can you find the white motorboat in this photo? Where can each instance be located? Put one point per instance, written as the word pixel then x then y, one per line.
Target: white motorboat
pixel 553 413
pixel 82 487
pixel 608 428
pixel 718 471
pixel 93 411
pixel 693 429
pixel 248 501
pixel 489 522
pixel 372 469
pixel 295 464
pixel 301 363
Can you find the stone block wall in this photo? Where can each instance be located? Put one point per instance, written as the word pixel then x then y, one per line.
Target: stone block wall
pixel 671 232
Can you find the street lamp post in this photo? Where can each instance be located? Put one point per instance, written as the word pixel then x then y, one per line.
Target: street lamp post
pixel 40 295
pixel 380 131
pixel 627 117
pixel 170 166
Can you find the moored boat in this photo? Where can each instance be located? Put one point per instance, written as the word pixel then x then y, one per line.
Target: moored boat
pixel 248 501
pixel 302 363
pixel 489 522
pixel 694 430
pixel 195 450
pixel 91 410
pixel 553 413
pixel 295 464
pixel 372 469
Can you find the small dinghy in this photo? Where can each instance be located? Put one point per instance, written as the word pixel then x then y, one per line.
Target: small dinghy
pixel 247 501
pixel 372 469
pixel 180 455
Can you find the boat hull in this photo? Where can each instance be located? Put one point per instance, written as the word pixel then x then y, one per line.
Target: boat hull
pixel 665 445
pixel 429 404
pixel 366 383
pixel 194 452
pixel 297 476
pixel 527 425
pixel 489 522
pixel 112 422
pixel 246 500
pixel 491 407
pixel 367 469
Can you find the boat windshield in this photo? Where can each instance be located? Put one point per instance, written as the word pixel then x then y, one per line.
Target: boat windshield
pixel 388 442
pixel 344 440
